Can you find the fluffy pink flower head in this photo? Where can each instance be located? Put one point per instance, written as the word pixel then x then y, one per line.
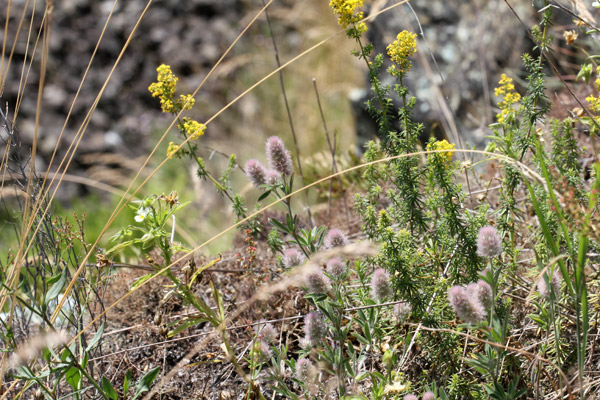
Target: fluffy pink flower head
pixel 543 287
pixel 411 397
pixel 336 268
pixel 480 292
pixel 268 333
pixel 272 177
pixel 293 257
pixel 466 307
pixel 256 172
pixel 380 285
pixel 314 328
pixel 335 238
pixel 428 396
pixel 304 369
pixel 317 282
pixel 278 156
pixel 489 243
pixel 402 311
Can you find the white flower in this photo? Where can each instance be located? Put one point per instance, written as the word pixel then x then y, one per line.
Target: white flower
pixel 142 214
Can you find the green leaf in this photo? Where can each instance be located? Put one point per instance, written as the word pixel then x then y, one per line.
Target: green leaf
pixel 145 382
pixel 202 268
pixel 73 377
pixel 96 338
pixel 126 382
pixel 56 288
pixel 109 390
pixel 139 281
pixel 264 195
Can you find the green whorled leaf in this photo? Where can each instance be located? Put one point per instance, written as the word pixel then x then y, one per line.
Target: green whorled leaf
pixel 96 338
pixel 109 390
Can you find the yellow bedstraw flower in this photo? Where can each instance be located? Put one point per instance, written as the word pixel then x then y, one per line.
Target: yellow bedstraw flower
pixel 346 11
pixel 164 88
pixel 172 149
pixel 510 97
pixel 192 128
pixel 401 49
pixel 442 145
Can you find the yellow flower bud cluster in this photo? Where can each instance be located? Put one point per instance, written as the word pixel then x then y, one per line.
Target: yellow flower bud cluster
pixel 506 90
pixel 401 49
pixel 442 145
pixel 348 17
pixel 193 129
pixel 164 89
pixel 594 100
pixel 172 149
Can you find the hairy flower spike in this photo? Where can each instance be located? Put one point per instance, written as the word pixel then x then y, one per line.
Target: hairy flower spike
pixel 348 17
pixel 278 156
pixel 543 287
pixel 465 307
pixel 256 172
pixel 335 238
pixel 314 328
pixel 428 396
pixel 293 258
pixel 489 243
pixel 401 49
pixel 411 397
pixel 304 369
pixel 380 285
pixel 402 311
pixel 268 333
pixel 336 268
pixel 317 282
pixel 273 177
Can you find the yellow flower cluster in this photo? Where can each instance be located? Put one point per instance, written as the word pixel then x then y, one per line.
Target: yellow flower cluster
pixel 593 100
pixel 442 145
pixel 509 97
pixel 193 129
pixel 403 47
pixel 172 149
pixel 347 17
pixel 164 89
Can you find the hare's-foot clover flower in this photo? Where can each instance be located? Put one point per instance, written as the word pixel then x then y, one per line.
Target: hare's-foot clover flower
pixel 489 243
pixel 446 156
pixel 402 311
pixel 335 238
pixel 428 396
pixel 509 97
pixel 380 285
pixel 268 333
pixel 336 268
pixel 543 287
pixel 317 282
pixel 256 172
pixel 466 307
pixel 273 177
pixel 400 50
pixel 193 129
pixel 314 328
pixel 278 156
pixel 172 149
pixel 348 17
pixel 481 292
pixel 305 370
pixel 411 397
pixel 293 258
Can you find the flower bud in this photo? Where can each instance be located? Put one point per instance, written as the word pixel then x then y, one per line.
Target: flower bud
pixel 428 396
pixel 314 328
pixel 543 287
